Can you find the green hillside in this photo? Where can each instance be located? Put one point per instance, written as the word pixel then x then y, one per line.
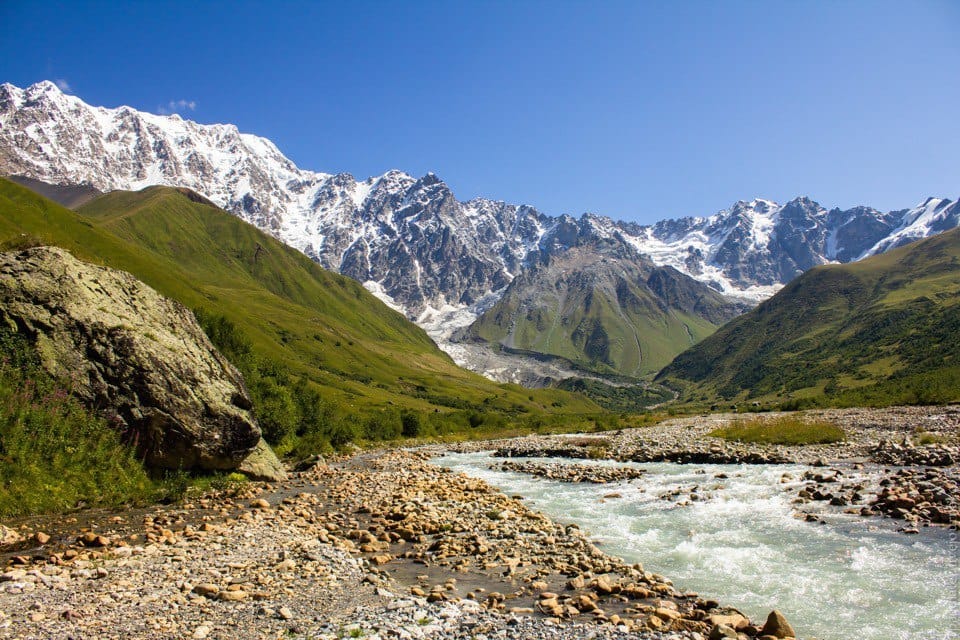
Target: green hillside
pixel 278 309
pixel 603 312
pixel 879 331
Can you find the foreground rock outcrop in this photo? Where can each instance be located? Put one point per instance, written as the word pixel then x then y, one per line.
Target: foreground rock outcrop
pixel 136 356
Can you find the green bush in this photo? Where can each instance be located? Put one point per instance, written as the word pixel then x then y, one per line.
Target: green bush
pixel 786 430
pixel 291 412
pixel 409 424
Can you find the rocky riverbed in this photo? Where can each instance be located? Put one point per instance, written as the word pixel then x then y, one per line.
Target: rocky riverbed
pixel 379 545
pixel 387 545
pixel 572 472
pixel 900 462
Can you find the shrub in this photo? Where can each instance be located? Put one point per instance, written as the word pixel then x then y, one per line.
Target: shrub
pixel 925 438
pixel 409 424
pixel 786 430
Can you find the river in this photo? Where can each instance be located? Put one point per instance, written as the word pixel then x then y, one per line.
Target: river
pixel 740 542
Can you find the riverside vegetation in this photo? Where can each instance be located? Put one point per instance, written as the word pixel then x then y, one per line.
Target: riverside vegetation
pixel 788 430
pixel 55 452
pixel 298 331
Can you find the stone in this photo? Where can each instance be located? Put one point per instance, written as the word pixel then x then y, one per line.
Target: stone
pixel 41 538
pixel 14 575
pixel 260 504
pixel 91 539
pixel 206 590
pixel 125 346
pixel 262 464
pixel 722 631
pixel 603 586
pixel 777 626
pixel 285 613
pixel 9 536
pixel 233 596
pixel 733 620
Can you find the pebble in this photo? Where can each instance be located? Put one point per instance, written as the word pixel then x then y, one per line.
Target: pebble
pixel 311 548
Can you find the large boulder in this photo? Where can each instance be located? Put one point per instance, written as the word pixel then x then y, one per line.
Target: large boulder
pixel 134 355
pixel 777 626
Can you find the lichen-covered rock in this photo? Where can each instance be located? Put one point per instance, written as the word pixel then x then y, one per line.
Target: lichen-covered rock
pixel 262 464
pixel 133 354
pixel 9 536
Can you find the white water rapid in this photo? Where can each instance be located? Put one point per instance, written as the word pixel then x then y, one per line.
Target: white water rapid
pixel 740 543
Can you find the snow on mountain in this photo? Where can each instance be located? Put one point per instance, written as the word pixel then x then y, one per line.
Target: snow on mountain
pixel 411 237
pixel 935 215
pixel 412 243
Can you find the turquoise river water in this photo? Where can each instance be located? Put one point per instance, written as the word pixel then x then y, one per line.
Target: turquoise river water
pixel 742 545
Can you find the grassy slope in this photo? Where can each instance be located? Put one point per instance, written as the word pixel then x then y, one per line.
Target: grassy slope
pixel 623 329
pixel 319 324
pixel 880 330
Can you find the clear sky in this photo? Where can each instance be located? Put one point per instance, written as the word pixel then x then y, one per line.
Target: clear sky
pixel 637 110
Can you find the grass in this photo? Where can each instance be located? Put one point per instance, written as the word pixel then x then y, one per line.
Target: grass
pixel 55 454
pixel 787 430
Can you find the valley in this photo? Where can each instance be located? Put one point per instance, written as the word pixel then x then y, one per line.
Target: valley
pixel 241 399
pixel 426 552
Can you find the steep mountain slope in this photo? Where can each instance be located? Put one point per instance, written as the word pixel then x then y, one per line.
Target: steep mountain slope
pixel 438 260
pixel 318 324
pixel 601 305
pixel 885 325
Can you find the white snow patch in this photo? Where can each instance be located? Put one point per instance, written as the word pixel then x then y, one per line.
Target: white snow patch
pixel 917 223
pixel 378 291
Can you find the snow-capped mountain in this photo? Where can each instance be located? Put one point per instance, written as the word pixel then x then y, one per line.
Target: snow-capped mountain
pixel 411 240
pixel 439 260
pixel 752 249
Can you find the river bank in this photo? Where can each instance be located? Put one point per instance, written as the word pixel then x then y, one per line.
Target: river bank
pixel 900 462
pixel 381 544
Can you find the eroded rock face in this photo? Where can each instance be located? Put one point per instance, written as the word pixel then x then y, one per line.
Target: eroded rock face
pixel 132 353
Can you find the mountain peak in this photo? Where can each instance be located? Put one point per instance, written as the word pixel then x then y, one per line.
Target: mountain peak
pixel 805 201
pixel 45 85
pixel 429 179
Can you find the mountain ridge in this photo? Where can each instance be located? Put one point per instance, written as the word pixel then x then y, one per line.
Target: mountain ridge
pixel 410 241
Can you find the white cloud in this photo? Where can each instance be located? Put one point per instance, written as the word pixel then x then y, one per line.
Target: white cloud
pixel 176 106
pixel 63 85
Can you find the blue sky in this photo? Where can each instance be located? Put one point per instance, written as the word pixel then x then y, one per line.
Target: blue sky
pixel 637 110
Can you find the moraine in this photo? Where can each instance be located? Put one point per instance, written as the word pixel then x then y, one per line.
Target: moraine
pixel 739 540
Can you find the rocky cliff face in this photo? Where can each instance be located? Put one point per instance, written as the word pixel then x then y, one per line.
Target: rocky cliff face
pixel 134 355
